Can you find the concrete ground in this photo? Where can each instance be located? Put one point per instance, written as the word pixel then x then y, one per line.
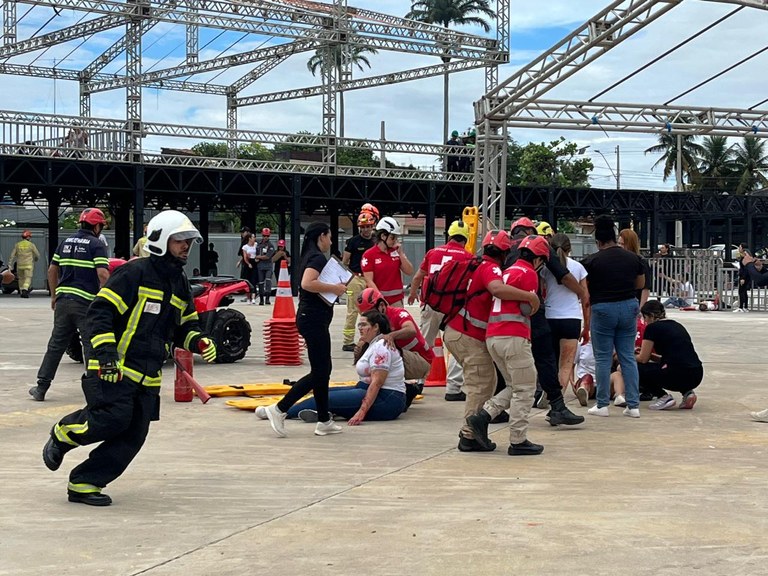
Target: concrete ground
pixel 215 492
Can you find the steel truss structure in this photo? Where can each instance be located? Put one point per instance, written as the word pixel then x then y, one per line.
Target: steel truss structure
pixel 518 101
pixel 287 27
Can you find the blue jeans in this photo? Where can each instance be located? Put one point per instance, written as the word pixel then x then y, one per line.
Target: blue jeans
pixel 614 327
pixel 345 401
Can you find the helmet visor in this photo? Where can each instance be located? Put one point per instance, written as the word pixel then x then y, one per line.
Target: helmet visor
pixel 187 235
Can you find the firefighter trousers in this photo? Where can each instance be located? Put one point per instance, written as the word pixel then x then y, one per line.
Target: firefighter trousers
pixel 118 416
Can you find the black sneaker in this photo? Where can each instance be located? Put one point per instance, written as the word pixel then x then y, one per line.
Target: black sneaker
pixel 472 445
pixel 25 293
pixel 502 418
pixel 479 424
pixel 90 498
pixel 564 416
pixel 455 397
pixel 38 393
pixel 526 448
pixel 348 348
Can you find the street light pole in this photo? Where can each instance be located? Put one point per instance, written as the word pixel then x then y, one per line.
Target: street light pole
pixel 616 175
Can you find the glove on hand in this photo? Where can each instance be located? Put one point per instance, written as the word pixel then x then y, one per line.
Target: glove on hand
pixel 111 371
pixel 207 349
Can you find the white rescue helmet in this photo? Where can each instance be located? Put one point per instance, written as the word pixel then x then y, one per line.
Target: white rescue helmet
pixel 166 224
pixel 389 225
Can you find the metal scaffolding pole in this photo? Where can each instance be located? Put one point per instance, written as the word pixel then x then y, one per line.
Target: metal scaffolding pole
pixel 9 22
pixel 133 35
pixel 192 32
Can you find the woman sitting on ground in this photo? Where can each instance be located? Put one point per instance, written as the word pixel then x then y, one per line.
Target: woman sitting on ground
pixel 380 394
pixel 676 367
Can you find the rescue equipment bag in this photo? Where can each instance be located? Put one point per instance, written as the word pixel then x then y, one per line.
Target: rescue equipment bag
pixel 446 290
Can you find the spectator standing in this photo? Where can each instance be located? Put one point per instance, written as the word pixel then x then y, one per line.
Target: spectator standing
pixel 629 241
pixel 24 255
pixel 79 268
pixel 614 277
pixel 454 162
pixel 250 251
pixel 313 319
pixel 144 308
pixel 264 252
pixel 245 234
pixel 757 272
pixel 77 141
pixel 354 249
pixel 384 264
pixel 213 261
pixel 281 253
pixel 745 282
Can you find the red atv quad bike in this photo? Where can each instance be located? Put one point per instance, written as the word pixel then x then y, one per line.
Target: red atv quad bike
pixel 228 327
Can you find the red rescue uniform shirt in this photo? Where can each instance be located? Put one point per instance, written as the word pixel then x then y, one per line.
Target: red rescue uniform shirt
pixel 399 316
pixel 506 318
pixel 472 320
pixel 437 257
pixel 386 272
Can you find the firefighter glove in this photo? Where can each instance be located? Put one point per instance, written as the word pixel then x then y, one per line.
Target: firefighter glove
pixel 207 349
pixel 111 371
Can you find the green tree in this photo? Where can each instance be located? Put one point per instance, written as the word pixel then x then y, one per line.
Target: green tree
pixel 667 147
pixel 254 151
pixel 210 149
pixel 717 168
pixel 339 56
pixel 751 160
pixel 555 164
pixel 446 13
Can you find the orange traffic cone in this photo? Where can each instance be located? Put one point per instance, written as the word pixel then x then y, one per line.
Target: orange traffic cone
pixel 437 375
pixel 284 301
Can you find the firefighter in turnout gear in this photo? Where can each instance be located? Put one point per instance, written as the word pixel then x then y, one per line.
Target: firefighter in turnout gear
pixel 144 308
pixel 24 255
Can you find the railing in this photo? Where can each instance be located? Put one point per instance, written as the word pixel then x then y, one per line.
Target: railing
pixel 669 275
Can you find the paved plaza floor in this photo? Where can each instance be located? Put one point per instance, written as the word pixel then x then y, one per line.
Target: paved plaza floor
pixel 214 492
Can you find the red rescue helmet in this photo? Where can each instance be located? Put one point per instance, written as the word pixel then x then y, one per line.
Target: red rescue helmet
pixel 26 234
pixel 281 243
pixel 368 207
pixel 366 218
pixel 92 216
pixel 536 244
pixel 369 299
pixel 266 231
pixel 522 223
pixel 499 239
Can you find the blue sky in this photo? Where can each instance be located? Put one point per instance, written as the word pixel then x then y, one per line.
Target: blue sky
pixel 413 111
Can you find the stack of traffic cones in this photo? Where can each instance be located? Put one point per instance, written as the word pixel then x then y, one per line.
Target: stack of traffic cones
pixel 437 375
pixel 282 343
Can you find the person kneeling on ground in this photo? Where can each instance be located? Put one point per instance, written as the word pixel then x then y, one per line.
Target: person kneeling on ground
pixel 677 368
pixel 380 393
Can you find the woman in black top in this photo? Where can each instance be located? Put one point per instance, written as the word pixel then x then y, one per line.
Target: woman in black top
pixel 614 276
pixel 313 319
pixel 667 359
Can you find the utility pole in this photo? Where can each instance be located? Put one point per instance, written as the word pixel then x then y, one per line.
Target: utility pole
pixel 618 168
pixel 679 169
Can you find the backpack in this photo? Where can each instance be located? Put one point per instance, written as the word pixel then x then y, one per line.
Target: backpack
pixel 446 290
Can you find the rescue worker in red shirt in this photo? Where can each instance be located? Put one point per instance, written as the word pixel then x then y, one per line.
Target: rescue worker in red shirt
pixel 384 264
pixel 508 339
pixel 454 249
pixel 466 332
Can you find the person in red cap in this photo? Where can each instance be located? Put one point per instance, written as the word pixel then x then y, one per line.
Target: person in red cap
pixel 265 250
pixel 281 254
pixel 80 267
pixel 24 255
pixel 466 332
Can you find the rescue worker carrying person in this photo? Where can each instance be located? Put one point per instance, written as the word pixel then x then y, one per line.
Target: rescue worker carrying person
pixel 24 256
pixel 144 308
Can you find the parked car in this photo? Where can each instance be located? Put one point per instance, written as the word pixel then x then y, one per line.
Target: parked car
pixel 719 249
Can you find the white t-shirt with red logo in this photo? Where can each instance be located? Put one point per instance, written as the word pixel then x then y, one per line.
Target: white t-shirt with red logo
pixel 386 272
pixel 379 356
pixel 479 300
pixel 507 313
pixel 399 316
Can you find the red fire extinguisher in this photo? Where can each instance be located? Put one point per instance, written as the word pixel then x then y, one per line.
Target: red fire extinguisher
pixel 182 390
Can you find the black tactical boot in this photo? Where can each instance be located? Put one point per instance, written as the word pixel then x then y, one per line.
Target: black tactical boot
pixel 479 424
pixel 472 445
pixel 559 414
pixel 90 498
pixel 526 448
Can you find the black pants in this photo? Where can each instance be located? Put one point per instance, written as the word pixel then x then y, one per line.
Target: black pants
pixel 118 416
pixel 744 296
pixel 544 357
pixel 68 318
pixel 657 380
pixel 314 330
pixel 263 274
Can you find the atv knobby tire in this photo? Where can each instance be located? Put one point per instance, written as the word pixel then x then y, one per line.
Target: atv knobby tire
pixel 232 334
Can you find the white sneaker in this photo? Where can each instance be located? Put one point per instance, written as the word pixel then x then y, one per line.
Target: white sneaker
pixel 619 401
pixel 595 411
pixel 261 412
pixel 325 428
pixel 632 412
pixel 735 310
pixel 745 309
pixel 761 416
pixel 276 420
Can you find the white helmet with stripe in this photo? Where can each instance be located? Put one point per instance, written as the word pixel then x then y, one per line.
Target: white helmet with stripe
pixel 166 224
pixel 389 225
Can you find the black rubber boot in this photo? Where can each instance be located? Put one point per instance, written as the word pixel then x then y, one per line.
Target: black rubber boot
pixel 455 397
pixel 90 498
pixel 38 393
pixel 526 448
pixel 559 414
pixel 53 453
pixel 472 445
pixel 479 424
pixel 25 293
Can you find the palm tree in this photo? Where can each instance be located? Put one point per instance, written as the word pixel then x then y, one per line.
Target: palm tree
pixel 716 164
pixel 339 55
pixel 667 147
pixel 447 12
pixel 751 159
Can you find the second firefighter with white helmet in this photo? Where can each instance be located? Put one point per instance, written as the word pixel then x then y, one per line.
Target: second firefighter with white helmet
pixel 384 264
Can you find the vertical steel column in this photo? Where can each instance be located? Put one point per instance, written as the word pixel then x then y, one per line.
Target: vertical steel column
pixel 203 226
pixel 192 32
pixel 489 192
pixel 295 230
pixel 53 222
pixel 138 203
pixel 85 99
pixel 749 227
pixel 9 21
pixel 232 125
pixel 653 236
pixel 121 213
pixel 333 217
pixel 502 44
pixel 330 81
pixel 133 34
pixel 728 239
pixel 429 224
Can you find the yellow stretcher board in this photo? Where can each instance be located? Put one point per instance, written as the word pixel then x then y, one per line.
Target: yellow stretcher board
pixel 258 389
pixel 253 403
